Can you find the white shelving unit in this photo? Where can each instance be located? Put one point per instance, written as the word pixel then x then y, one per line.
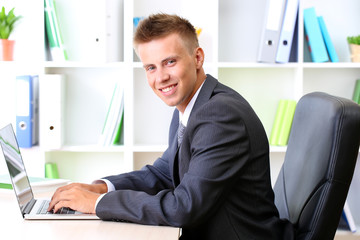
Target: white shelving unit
pixel 231 31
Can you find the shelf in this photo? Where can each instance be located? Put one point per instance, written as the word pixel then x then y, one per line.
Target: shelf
pixel 255 65
pixel 88 148
pixel 332 65
pixel 77 64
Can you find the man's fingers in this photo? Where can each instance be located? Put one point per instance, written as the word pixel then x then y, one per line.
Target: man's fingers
pixel 75 198
pixel 60 195
pixel 60 205
pixel 62 189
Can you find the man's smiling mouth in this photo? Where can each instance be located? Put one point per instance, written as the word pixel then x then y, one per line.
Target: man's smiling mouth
pixel 168 89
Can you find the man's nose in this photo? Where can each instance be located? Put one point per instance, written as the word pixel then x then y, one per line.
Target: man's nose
pixel 162 75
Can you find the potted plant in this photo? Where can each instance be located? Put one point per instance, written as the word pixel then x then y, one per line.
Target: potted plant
pixel 354 44
pixel 7 24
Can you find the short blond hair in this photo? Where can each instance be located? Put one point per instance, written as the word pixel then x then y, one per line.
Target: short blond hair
pixel 161 25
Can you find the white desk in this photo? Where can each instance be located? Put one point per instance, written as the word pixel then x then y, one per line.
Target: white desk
pixel 346 235
pixel 13 226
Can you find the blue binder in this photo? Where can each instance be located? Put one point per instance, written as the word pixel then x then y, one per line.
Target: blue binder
pixel 314 37
pixel 27 110
pixel 329 45
pixel 287 32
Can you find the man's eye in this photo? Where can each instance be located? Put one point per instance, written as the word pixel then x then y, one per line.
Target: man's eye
pixel 171 61
pixel 150 68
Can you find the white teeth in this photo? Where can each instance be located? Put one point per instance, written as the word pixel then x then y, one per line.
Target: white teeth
pixel 167 89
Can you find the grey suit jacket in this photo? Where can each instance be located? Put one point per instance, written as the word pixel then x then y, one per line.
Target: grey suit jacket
pixel 215 186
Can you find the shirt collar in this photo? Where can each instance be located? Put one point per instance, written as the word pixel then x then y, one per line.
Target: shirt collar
pixel 184 117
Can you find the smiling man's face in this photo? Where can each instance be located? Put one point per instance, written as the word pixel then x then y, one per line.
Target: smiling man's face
pixel 171 70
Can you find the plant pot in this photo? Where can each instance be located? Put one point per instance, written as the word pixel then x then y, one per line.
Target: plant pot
pixel 355 52
pixel 6 49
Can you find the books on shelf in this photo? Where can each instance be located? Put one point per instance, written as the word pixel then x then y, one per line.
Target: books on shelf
pixel 270 36
pixel 314 37
pixel 346 220
pixel 282 123
pixel 318 38
pixel 112 131
pixel 39 110
pixel 27 110
pixel 54 39
pixel 89 38
pixel 328 43
pixel 356 93
pixel 277 45
pixel 287 32
pixel 52 105
pixel 276 42
pixel 92 31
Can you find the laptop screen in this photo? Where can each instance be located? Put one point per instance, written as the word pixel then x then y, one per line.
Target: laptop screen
pixel 15 165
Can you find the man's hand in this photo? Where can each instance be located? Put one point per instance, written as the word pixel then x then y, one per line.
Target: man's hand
pixel 77 196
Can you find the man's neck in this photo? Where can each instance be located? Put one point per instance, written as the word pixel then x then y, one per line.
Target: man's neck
pixel 200 80
pixel 184 116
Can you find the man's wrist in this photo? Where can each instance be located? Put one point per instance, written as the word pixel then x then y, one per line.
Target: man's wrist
pixel 110 186
pixel 98 200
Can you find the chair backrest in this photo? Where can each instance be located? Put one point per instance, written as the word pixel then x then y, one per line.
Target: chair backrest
pixel 314 180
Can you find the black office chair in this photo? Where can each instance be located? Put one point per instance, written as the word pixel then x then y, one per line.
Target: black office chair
pixel 314 180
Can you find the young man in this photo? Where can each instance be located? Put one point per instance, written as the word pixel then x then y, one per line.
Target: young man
pixel 214 181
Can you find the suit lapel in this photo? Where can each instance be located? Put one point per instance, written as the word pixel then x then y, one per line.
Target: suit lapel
pixel 204 95
pixel 173 163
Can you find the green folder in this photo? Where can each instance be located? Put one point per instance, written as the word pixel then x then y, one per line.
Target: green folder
pixel 287 122
pixel 53 32
pixel 5 182
pixel 5 185
pixel 119 131
pixel 356 94
pixel 275 132
pixel 51 171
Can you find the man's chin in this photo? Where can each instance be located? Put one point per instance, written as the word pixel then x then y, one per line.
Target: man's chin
pixel 169 102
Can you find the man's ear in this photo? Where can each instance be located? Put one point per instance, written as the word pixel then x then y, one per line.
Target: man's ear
pixel 199 57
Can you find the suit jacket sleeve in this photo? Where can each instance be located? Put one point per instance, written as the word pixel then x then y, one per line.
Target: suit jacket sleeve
pixel 151 178
pixel 214 150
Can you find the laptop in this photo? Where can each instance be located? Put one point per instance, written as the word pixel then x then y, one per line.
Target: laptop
pixel 30 207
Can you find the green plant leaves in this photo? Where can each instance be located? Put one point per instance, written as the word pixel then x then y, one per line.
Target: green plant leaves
pixel 7 22
pixel 354 40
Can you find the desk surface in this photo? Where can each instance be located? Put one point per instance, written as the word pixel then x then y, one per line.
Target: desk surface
pixel 12 224
pixel 346 235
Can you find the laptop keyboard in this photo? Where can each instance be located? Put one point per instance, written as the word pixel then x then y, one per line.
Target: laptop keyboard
pixel 45 205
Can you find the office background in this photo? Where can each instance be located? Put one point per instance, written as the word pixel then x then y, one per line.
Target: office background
pixel 97 36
